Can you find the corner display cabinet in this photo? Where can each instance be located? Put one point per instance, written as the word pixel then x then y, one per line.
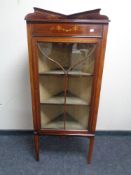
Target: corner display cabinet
pixel 66 56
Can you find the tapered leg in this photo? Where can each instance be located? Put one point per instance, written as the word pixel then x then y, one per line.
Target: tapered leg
pixel 90 151
pixel 36 142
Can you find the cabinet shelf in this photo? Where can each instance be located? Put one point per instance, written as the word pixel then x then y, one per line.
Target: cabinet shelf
pixel 59 99
pixel 58 122
pixel 60 72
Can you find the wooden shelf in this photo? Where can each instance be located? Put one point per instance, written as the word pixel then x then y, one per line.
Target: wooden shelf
pixel 73 73
pixel 58 122
pixel 59 99
pixel 53 100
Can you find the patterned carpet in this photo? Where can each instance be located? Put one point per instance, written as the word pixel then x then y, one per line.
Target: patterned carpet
pixel 65 156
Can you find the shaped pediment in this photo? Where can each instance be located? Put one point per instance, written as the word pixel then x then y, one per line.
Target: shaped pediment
pixel 41 15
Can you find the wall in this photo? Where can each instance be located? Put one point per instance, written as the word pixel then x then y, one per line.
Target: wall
pixel 115 102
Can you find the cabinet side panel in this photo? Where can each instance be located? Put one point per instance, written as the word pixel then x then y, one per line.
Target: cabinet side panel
pixel 97 83
pixel 31 69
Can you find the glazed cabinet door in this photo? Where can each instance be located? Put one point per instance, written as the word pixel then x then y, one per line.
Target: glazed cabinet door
pixel 66 74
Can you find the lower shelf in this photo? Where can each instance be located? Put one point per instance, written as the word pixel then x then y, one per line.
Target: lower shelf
pixel 58 122
pixel 70 123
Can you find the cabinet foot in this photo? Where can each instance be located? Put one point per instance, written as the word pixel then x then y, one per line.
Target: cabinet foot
pixel 36 142
pixel 90 151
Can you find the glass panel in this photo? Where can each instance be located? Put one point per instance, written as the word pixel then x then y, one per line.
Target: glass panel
pixel 67 66
pixel 52 117
pixel 74 58
pixel 79 90
pixel 52 55
pixel 51 89
pixel 77 117
pixel 83 58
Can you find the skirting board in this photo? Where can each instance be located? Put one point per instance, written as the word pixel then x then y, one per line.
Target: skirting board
pixel 98 133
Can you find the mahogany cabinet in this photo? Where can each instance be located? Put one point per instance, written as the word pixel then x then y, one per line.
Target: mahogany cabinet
pixel 66 57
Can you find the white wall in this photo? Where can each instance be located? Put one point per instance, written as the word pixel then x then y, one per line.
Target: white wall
pixel 15 99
